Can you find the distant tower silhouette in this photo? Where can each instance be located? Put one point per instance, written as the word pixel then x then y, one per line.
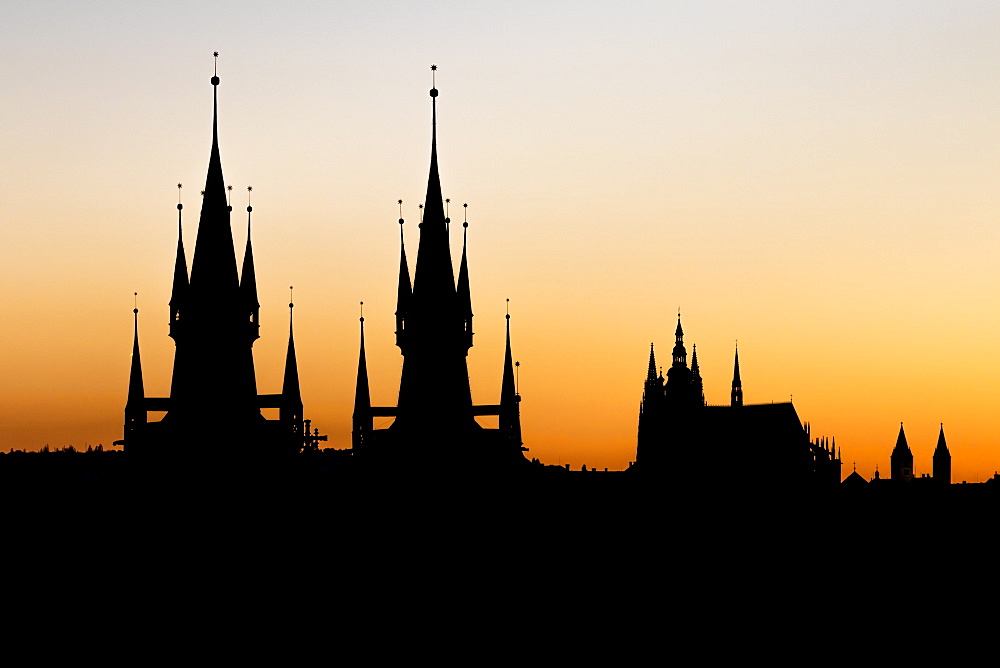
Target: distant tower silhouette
pixel 435 421
pixel 681 437
pixel 942 461
pixel 214 408
pixel 736 396
pixel 901 459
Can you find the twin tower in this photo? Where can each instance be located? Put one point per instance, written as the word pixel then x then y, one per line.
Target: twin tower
pixel 214 408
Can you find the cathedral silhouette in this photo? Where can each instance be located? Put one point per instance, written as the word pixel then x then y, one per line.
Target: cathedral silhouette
pixel 214 408
pixel 682 437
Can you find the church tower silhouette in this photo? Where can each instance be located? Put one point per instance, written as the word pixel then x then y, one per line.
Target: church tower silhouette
pixel 213 407
pixel 435 420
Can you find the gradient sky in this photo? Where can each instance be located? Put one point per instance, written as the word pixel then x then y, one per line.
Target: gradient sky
pixel 815 179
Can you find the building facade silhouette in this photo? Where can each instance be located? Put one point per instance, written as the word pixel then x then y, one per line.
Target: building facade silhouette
pixel 213 407
pixel 682 438
pixel 434 422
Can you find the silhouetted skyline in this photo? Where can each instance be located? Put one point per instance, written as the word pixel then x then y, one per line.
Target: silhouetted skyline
pixel 812 181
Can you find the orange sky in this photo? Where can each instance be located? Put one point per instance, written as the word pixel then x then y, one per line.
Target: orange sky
pixel 818 182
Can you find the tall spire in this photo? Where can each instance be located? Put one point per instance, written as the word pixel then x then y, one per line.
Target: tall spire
pixel 736 397
pixel 404 291
pixel 213 269
pixel 135 409
pixel 696 382
pixel 462 289
pixel 248 277
pixel 941 461
pixel 434 278
pixel 680 353
pixel 180 286
pixel 434 390
pixel 290 384
pixel 136 391
pixel 362 418
pixel 290 412
pixel 510 412
pixel 651 371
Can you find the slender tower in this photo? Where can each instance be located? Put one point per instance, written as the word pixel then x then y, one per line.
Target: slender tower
pixel 942 461
pixel 214 324
pixel 510 400
pixel 135 409
pixel 290 412
pixel 679 389
pixel 362 418
pixel 434 327
pixel 736 396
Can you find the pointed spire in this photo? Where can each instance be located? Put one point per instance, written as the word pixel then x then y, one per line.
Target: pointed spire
pixel 696 381
pixel 510 412
pixel 248 278
pixel 136 391
pixel 941 461
pixel 214 263
pixel 180 266
pixel 901 439
pixel 901 458
pixel 941 445
pixel 362 419
pixel 736 396
pixel 434 277
pixel 679 353
pixel 462 288
pixel 651 371
pixel 404 291
pixel 290 384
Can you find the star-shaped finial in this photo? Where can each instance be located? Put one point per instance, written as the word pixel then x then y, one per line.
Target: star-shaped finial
pixel 179 185
pixel 229 188
pixel 249 188
pixel 433 67
pixel 215 53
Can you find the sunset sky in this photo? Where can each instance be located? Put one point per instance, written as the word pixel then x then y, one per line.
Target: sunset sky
pixel 817 180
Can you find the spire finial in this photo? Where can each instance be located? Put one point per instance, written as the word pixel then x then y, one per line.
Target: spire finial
pixel 179 205
pixel 421 207
pixel 249 190
pixel 362 311
pixel 135 303
pixel 229 197
pixel 291 301
pixel 215 69
pixel 465 223
pixel 508 308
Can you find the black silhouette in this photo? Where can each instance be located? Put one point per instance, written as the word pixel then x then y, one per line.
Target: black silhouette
pixel 214 408
pixel 435 424
pixel 683 439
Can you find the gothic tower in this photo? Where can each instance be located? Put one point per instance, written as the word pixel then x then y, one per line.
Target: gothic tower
pixel 435 420
pixel 942 461
pixel 213 408
pixel 901 459
pixel 214 321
